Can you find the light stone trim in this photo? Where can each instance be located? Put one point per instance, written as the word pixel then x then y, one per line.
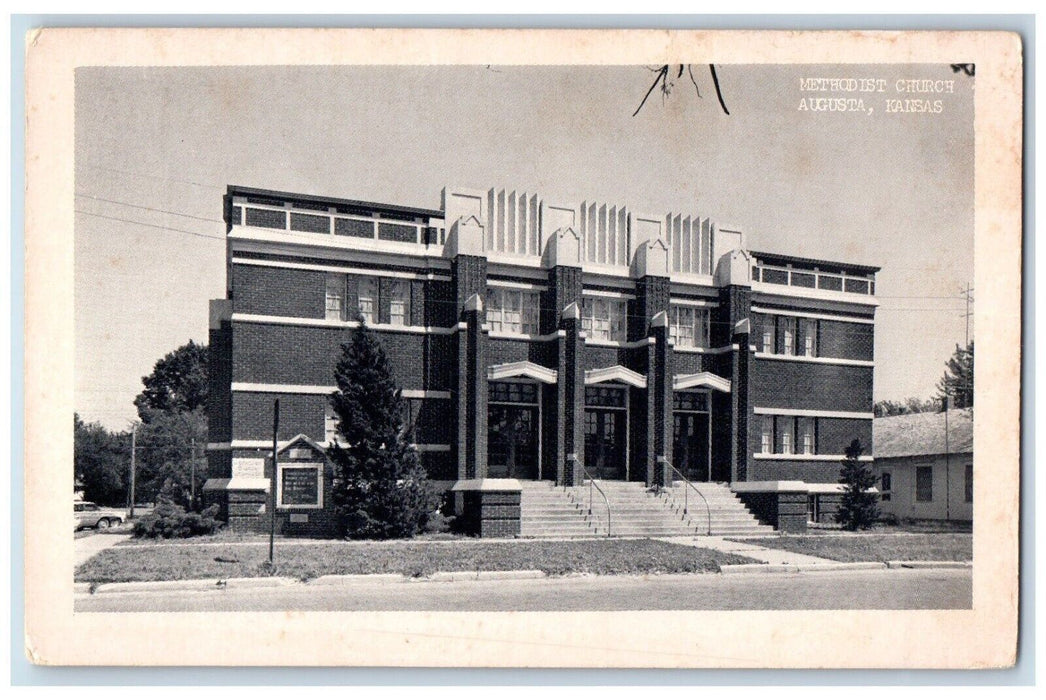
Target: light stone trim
pixel 804 314
pixel 806 458
pixel 616 373
pixel 808 413
pixel 522 369
pixel 806 293
pixel 325 323
pixel 815 360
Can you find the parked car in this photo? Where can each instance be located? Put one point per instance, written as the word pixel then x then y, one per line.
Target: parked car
pixel 87 514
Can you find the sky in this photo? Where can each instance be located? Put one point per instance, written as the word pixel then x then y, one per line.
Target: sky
pixel 156 148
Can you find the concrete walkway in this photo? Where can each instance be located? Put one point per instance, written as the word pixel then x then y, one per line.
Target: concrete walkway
pixel 86 547
pixel 763 554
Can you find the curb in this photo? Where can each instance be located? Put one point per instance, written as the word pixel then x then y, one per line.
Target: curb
pixel 343 579
pixel 451 576
pixel 193 585
pixel 844 566
pixel 758 569
pixel 929 564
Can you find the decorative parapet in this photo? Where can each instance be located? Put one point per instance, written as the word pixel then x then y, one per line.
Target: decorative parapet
pixel 563 248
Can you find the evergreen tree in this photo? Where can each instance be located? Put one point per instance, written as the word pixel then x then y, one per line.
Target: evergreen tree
pixel 380 489
pixel 957 381
pixel 860 507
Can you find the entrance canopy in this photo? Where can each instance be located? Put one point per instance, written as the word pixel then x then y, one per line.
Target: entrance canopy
pixel 616 373
pixel 523 369
pixel 700 379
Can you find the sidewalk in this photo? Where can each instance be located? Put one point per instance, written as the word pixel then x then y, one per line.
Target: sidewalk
pixel 86 547
pixel 776 557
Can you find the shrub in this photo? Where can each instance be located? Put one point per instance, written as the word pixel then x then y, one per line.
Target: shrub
pixel 169 520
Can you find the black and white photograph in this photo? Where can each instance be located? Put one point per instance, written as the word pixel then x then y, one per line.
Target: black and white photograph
pixel 519 337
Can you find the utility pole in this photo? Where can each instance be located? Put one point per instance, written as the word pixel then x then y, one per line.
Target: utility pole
pixel 968 295
pixel 947 463
pixel 192 473
pixel 272 479
pixel 134 449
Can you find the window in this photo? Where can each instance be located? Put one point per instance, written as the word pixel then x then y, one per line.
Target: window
pixel 769 337
pixel 785 426
pixel 300 485
pixel 788 335
pixel 604 319
pixel 368 299
pixel 924 484
pixel 513 311
pixel 806 429
pixel 968 483
pixel 512 392
pixel 399 303
pixel 813 508
pixel 688 327
pixel 335 298
pixel 885 486
pixel 766 445
pixel 807 337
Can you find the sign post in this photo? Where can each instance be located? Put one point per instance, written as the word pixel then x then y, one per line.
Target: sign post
pixel 272 481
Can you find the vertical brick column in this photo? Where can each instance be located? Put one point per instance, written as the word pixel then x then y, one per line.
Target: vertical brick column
pixel 470 281
pixel 735 306
pixel 564 289
pixel 652 298
pixel 572 392
pixel 659 388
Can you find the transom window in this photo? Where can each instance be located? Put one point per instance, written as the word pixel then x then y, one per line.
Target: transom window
pixel 512 392
pixel 690 401
pixel 608 397
pixel 604 319
pixel 513 311
pixel 688 326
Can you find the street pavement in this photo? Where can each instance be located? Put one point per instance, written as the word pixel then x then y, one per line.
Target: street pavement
pixel 86 547
pixel 881 589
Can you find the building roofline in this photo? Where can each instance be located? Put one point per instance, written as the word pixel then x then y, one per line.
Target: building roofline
pixel 772 257
pixel 239 190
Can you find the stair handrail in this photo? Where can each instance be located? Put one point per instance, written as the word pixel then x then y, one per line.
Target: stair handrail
pixel 592 483
pixel 686 503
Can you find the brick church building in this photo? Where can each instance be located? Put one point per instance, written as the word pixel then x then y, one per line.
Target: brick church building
pixel 540 344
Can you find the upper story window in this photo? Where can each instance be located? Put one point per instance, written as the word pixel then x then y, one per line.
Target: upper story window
pixel 513 311
pixel 604 319
pixel 335 303
pixel 688 326
pixel 787 335
pixel 399 303
pixel 330 424
pixel 368 299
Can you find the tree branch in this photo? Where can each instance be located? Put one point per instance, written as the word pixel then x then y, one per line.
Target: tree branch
pixel 662 73
pixel 718 92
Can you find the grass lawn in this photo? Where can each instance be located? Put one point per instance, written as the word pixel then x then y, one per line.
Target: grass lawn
pixel 876 547
pixel 412 558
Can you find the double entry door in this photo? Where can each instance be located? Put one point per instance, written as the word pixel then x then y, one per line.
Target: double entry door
pixel 606 432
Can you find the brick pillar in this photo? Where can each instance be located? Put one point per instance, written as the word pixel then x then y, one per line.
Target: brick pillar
pixel 572 396
pixel 470 280
pixel 564 290
pixel 735 309
pixel 659 388
pixel 650 319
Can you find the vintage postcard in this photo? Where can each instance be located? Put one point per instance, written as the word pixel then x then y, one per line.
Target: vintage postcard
pixel 523 348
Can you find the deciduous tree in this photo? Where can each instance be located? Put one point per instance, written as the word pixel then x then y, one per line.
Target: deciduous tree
pixel 177 383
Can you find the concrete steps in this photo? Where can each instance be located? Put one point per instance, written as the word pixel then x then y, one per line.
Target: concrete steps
pixel 549 511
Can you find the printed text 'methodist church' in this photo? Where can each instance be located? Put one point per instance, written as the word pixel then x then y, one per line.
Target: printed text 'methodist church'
pixel 540 344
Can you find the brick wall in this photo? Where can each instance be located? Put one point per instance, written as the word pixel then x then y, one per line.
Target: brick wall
pixel 835 434
pixel 502 350
pixel 282 354
pixel 275 291
pixel 492 513
pixel 299 414
pixel 219 376
pixel 807 385
pixel 851 341
pixel 813 472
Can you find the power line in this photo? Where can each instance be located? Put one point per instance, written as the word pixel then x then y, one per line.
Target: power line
pixel 142 223
pixel 155 177
pixel 139 206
